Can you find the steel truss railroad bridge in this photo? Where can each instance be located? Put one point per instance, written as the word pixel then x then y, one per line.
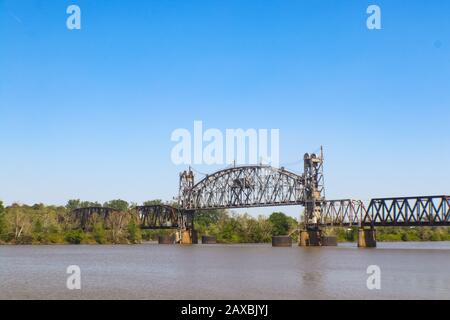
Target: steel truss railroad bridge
pixel 265 186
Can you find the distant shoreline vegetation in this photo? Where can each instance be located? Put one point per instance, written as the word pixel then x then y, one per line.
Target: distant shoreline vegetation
pixel 47 224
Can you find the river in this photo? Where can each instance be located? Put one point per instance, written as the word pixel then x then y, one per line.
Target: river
pixel 151 271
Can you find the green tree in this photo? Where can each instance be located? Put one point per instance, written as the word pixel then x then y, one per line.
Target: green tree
pixel 209 217
pixel 206 221
pixel 118 204
pixel 405 237
pixel 259 230
pixel 99 233
pixel 229 229
pixel 117 225
pixel 153 202
pixel 86 204
pixel 19 223
pixel 75 236
pixel 282 224
pixel 134 232
pixel 73 204
pixel 2 221
pixel 77 203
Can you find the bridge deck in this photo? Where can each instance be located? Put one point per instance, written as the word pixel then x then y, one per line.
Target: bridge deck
pixel 417 211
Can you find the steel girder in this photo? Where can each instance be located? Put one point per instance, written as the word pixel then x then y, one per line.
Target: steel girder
pixel 400 212
pixel 346 212
pixel 164 217
pixel 82 216
pixel 409 211
pixel 244 187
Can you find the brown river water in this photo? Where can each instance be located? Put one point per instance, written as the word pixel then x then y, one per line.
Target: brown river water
pixel 151 271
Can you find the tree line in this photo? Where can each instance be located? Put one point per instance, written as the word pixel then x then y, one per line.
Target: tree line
pixel 48 224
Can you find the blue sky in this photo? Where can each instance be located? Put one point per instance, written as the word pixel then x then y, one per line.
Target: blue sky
pixel 89 113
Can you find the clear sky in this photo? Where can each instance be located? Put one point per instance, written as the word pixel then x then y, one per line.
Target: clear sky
pixel 89 113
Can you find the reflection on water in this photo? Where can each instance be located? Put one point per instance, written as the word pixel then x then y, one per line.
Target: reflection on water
pixel 150 271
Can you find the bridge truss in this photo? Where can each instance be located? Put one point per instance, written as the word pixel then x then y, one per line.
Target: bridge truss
pixel 149 217
pixel 264 186
pixel 164 217
pixel 400 212
pixel 242 187
pixel 84 217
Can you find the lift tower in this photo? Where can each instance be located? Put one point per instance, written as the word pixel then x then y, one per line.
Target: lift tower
pixel 187 234
pixel 314 195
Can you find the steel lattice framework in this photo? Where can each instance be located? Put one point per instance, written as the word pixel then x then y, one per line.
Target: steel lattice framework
pixel 346 212
pixel 82 216
pixel 390 212
pixel 409 211
pixel 265 186
pixel 164 217
pixel 150 217
pixel 242 187
pixel 400 212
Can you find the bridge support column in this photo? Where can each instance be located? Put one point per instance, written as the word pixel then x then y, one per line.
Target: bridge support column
pixel 209 239
pixel 329 241
pixel 281 241
pixel 310 238
pixel 188 237
pixel 166 239
pixel 367 238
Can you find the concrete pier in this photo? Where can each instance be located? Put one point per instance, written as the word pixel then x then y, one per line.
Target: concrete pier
pixel 281 241
pixel 310 238
pixel 209 240
pixel 329 241
pixel 166 239
pixel 367 238
pixel 315 238
pixel 188 237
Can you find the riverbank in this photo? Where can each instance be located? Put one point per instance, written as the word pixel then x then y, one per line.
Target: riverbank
pixel 395 234
pixel 383 236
